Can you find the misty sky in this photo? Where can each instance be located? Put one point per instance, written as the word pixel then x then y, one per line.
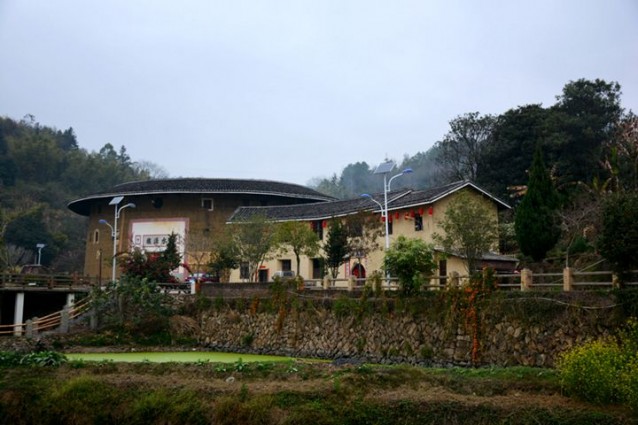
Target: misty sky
pixel 291 90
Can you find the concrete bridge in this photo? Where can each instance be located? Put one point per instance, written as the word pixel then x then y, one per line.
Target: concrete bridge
pixel 42 299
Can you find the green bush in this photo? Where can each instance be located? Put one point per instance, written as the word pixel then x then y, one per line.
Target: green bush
pixel 40 358
pixel 593 371
pixel 43 358
pixel 9 359
pixel 629 383
pixel 345 306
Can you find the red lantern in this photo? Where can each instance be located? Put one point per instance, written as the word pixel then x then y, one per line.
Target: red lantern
pixel 431 211
pixel 396 215
pixel 324 224
pixel 421 211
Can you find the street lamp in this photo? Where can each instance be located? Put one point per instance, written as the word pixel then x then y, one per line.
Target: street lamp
pixel 115 202
pixel 40 246
pixel 385 169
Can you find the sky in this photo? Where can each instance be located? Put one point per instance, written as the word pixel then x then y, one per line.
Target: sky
pixel 296 90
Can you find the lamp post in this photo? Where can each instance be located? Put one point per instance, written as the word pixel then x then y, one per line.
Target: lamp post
pixel 385 169
pixel 40 246
pixel 383 215
pixel 115 202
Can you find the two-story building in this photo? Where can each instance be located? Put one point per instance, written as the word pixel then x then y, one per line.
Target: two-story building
pixel 411 213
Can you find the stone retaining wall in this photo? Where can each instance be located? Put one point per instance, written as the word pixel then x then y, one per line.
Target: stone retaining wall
pixel 317 331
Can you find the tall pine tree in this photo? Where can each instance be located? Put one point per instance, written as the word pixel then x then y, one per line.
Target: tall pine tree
pixel 536 222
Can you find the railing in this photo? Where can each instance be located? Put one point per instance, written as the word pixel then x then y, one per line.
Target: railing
pixel 73 282
pixel 526 280
pixel 59 319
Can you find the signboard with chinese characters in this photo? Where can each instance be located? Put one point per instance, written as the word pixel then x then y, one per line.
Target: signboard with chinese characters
pixel 152 236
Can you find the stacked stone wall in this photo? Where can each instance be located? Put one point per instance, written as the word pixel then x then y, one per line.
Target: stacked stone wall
pixel 530 336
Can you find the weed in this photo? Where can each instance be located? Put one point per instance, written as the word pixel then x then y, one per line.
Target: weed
pixel 240 366
pixel 43 358
pixel 221 368
pixel 219 303
pixel 247 340
pixel 9 359
pixel 243 393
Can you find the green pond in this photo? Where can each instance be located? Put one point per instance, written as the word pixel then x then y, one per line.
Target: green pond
pixel 181 356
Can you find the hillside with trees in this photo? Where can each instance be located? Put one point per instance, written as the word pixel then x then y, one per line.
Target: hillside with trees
pixel 41 170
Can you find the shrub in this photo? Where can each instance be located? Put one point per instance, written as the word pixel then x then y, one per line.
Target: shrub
pixel 345 306
pixel 593 371
pixel 43 358
pixel 411 260
pixel 9 359
pixel 629 383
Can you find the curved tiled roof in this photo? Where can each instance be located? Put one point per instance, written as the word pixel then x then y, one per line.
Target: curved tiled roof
pixel 397 199
pixel 201 186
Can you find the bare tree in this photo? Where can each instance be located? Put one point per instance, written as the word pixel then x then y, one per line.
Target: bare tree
pixel 199 246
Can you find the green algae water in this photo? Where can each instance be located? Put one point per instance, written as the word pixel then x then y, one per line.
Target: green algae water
pixel 177 357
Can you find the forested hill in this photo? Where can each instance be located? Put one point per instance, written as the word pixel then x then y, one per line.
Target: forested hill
pixel 41 170
pixel 582 137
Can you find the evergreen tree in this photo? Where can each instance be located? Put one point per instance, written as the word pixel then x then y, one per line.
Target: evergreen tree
pixel 536 222
pixel 336 247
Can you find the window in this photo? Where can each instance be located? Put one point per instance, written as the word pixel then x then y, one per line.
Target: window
pixel 244 271
pixel 418 223
pixel 443 272
pixel 389 228
pixel 96 236
pixel 317 268
pixel 207 204
pixel 317 227
pixel 286 265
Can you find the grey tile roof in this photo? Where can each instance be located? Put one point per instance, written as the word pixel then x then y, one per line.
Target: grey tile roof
pixel 397 199
pixel 202 186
